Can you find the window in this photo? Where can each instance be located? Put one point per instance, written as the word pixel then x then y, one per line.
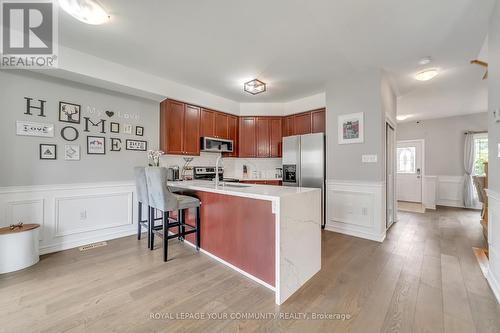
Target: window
pixel 406 159
pixel 480 153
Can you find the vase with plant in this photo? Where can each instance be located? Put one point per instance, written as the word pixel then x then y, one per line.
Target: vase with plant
pixel 154 157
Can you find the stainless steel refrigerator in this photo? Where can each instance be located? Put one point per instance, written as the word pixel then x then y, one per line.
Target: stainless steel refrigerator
pixel 304 163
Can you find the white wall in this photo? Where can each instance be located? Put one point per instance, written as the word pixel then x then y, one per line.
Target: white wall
pixel 494 159
pixel 309 103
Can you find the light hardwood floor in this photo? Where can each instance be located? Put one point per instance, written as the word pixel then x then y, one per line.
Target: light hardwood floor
pixel 423 278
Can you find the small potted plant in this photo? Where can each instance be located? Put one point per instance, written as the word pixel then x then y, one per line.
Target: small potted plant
pixel 154 157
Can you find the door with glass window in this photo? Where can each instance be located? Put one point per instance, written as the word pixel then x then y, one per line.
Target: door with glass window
pixel 409 171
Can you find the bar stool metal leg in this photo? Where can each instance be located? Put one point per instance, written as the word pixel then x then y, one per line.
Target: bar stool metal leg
pixel 150 227
pixel 139 220
pixel 165 235
pixel 198 228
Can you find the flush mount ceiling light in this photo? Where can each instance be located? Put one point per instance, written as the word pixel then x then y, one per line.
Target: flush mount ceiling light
pixel 403 117
pixel 426 75
pixel 255 87
pixel 86 11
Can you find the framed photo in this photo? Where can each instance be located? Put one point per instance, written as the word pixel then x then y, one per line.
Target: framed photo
pixel 69 112
pixel 351 129
pixel 127 128
pixel 48 151
pixel 27 128
pixel 96 145
pixel 139 131
pixel 114 128
pixel 136 145
pixel 72 152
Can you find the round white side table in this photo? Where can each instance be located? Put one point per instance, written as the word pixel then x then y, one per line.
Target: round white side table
pixel 19 247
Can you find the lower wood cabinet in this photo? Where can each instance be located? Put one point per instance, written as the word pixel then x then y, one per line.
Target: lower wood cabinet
pixel 276 182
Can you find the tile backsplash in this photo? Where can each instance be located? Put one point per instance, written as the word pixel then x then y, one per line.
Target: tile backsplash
pixel 258 168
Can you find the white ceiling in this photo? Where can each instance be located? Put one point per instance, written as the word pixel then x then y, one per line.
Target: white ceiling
pixel 296 46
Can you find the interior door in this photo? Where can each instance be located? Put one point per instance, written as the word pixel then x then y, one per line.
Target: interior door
pixel 409 170
pixel 390 176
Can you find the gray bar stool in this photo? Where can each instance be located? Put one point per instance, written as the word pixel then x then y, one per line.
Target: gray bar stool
pixel 142 200
pixel 161 198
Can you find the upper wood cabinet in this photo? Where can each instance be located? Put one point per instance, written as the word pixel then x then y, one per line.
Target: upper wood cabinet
pixel 179 128
pixel 275 137
pixel 247 140
pixel 207 123
pixel 288 126
pixel 232 124
pixel 318 121
pixel 221 125
pixel 263 137
pixel 302 123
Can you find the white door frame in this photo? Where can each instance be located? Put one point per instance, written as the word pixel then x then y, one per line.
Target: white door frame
pixel 394 125
pixel 422 171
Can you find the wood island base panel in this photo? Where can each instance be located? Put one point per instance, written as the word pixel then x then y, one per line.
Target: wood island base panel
pixel 271 234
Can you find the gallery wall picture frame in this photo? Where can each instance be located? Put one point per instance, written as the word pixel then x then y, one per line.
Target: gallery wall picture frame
pixel 351 128
pixel 69 112
pixel 72 152
pixel 28 128
pixel 139 131
pixel 127 128
pixel 114 127
pixel 96 145
pixel 48 151
pixel 137 145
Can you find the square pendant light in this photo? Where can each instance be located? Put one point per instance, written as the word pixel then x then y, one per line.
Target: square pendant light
pixel 255 87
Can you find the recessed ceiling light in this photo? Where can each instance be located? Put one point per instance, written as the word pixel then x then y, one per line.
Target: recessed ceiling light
pixel 426 75
pixel 425 61
pixel 255 87
pixel 86 11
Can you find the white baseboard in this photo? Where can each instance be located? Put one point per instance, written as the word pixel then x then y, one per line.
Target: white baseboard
pixel 356 209
pixel 72 215
pixel 494 242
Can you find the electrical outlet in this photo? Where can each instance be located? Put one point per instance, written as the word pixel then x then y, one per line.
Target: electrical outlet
pixel 83 215
pixel 369 158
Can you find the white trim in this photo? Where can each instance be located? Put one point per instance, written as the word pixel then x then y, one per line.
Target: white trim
pixel 422 167
pixel 239 270
pixel 62 187
pixel 356 233
pixel 493 276
pixel 494 284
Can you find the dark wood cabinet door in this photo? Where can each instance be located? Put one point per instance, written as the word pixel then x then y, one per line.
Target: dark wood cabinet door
pixel 221 126
pixel 247 142
pixel 174 120
pixel 192 130
pixel 207 123
pixel 232 124
pixel 318 121
pixel 302 123
pixel 288 126
pixel 276 137
pixel 263 137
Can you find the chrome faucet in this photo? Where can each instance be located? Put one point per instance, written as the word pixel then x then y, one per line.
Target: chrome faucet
pixel 219 159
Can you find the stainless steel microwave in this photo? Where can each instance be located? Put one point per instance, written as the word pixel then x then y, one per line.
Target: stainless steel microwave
pixel 216 145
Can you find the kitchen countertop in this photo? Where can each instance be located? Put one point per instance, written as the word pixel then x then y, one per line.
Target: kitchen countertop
pixel 262 192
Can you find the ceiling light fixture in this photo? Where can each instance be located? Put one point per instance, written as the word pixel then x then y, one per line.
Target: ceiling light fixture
pixel 425 61
pixel 86 11
pixel 403 117
pixel 255 87
pixel 426 75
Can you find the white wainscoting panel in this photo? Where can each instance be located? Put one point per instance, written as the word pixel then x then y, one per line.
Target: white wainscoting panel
pixel 74 214
pixel 451 191
pixel 494 242
pixel 356 209
pixel 429 194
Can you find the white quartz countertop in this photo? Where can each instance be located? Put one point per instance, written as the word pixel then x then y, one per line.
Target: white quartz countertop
pixel 262 192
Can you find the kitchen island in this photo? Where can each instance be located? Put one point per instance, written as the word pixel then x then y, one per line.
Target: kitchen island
pixel 271 234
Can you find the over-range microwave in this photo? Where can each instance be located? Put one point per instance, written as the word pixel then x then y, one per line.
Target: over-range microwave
pixel 216 145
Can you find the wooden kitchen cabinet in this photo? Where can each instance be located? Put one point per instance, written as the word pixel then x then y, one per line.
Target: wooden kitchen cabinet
pixel 232 124
pixel 318 121
pixel 302 123
pixel 207 123
pixel 276 182
pixel 288 125
pixel 221 125
pixel 247 142
pixel 263 137
pixel 275 137
pixel 179 128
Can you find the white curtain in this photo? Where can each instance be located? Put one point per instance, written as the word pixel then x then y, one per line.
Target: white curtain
pixel 469 167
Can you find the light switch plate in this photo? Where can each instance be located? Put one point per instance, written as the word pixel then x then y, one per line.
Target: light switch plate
pixel 369 158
